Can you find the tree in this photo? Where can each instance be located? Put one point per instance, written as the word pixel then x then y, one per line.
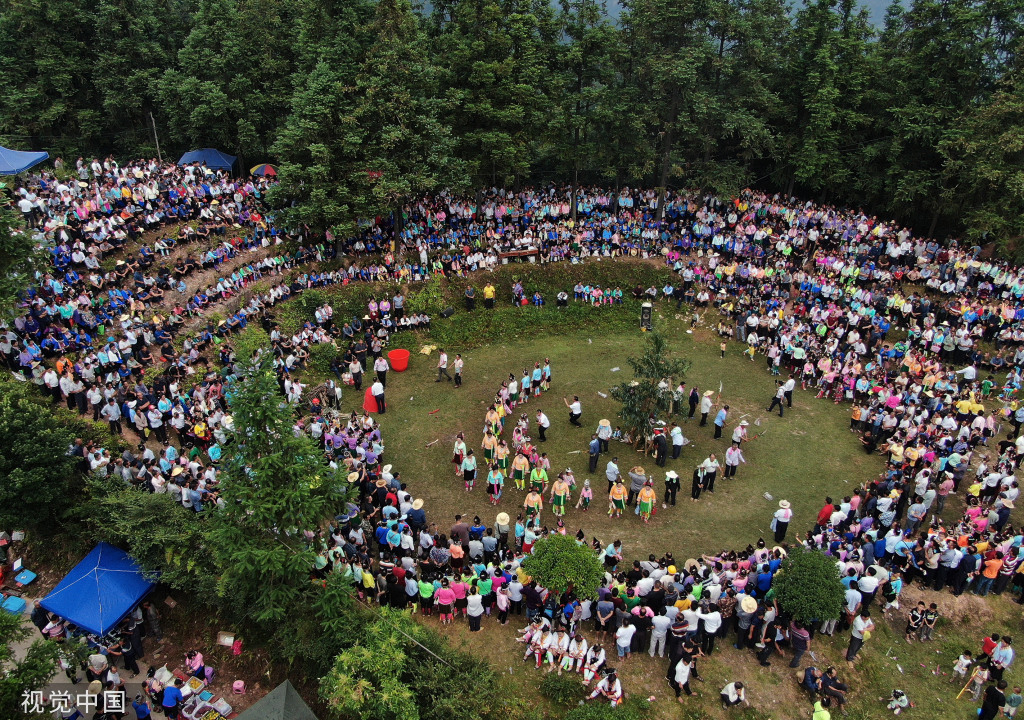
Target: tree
pixel 276 486
pixel 559 563
pixel 47 52
pixel 983 161
pixel 828 51
pixel 585 73
pixel 19 257
pixel 159 533
pixel 357 148
pixel 231 84
pixel 32 672
pixel 641 398
pixel 494 71
pixel 401 670
pixel 808 587
pixel 37 473
pixel 135 40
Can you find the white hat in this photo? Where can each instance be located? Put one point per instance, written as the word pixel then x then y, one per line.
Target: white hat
pixel 744 423
pixel 387 468
pixel 784 504
pixel 709 393
pixel 671 474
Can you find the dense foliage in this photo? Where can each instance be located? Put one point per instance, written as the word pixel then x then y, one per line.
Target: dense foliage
pixel 22 671
pixel 38 478
pixel 641 397
pixel 561 564
pixel 368 103
pixel 808 587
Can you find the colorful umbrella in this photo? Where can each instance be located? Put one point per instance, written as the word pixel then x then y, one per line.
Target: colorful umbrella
pixel 264 169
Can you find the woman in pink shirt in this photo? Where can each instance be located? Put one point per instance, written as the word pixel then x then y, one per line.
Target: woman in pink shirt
pixel 444 598
pixel 460 589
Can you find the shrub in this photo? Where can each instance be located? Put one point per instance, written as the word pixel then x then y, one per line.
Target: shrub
pixel 632 709
pixel 559 563
pixel 562 689
pixel 320 357
pixel 808 586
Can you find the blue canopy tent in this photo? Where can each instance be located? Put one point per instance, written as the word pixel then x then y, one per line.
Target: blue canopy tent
pixel 99 591
pixel 214 159
pixel 13 162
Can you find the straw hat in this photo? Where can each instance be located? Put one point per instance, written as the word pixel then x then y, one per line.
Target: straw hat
pixel 175 472
pixel 784 504
pixel 417 504
pixel 639 470
pixel 1008 504
pixel 604 423
pixel 709 393
pixel 782 550
pixel 671 475
pixel 744 423
pixel 502 518
pixel 748 604
pixel 381 483
pixel 387 468
pixel 690 564
pixel 353 476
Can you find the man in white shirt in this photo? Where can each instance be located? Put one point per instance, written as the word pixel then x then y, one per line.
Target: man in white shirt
pixel 788 387
pixel 377 390
pixel 442 366
pixel 575 410
pixel 542 425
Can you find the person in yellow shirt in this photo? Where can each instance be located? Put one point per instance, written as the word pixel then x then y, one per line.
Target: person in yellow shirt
pixel 489 444
pixel 617 499
pixel 489 296
pixel 520 469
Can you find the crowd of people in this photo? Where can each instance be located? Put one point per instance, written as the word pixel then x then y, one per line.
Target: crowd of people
pixel 848 307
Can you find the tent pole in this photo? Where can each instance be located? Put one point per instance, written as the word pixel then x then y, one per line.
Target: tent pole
pixel 156 139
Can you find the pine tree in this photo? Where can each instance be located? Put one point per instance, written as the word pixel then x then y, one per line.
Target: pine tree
pixel 231 83
pixel 494 77
pixel 276 486
pixel 372 141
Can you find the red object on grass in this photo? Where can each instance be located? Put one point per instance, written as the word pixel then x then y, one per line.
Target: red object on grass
pixel 370 402
pixel 399 359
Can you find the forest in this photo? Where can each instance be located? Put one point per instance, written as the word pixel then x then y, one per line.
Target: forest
pixel 364 104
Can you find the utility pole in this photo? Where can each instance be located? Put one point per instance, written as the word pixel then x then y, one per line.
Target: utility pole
pixel 156 139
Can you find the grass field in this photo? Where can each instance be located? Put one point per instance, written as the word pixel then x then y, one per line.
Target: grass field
pixel 787 461
pixel 801 457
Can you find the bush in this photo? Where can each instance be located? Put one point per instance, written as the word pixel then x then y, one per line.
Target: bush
pixel 632 709
pixel 808 586
pixel 562 689
pixel 320 357
pixel 428 299
pixel 249 341
pixel 559 563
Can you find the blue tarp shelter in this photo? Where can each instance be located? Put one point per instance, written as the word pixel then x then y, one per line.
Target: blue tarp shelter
pixel 99 591
pixel 214 159
pixel 13 162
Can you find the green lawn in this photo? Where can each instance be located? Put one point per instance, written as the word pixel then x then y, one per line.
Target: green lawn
pixel 800 457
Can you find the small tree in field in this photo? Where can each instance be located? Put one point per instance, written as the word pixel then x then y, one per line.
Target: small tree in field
pixel 559 564
pixel 808 587
pixel 642 397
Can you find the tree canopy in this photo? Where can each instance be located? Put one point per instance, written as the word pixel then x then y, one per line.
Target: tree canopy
pixel 559 563
pixel 807 586
pixel 367 104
